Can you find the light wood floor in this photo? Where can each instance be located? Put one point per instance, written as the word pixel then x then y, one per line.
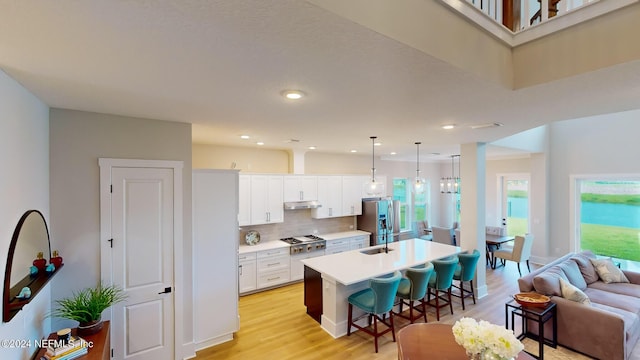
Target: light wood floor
pixel 274 325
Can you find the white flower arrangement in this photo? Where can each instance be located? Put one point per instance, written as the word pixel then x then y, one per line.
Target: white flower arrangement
pixel 486 339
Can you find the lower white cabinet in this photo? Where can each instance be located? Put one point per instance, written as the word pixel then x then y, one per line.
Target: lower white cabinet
pixel 247 272
pixel 273 267
pixel 359 242
pixel 337 246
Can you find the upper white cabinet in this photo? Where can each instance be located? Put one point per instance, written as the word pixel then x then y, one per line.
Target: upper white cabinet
pixel 300 188
pixel 266 199
pixel 329 196
pixel 261 199
pixel 244 211
pixel 352 194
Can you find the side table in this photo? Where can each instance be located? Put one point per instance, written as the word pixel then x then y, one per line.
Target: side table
pixel 540 315
pixel 100 341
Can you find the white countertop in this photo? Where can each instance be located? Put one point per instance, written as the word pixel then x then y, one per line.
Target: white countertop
pixel 351 267
pixel 344 234
pixel 275 244
pixel 269 245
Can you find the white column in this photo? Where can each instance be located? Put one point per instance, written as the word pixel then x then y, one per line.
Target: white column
pixel 473 207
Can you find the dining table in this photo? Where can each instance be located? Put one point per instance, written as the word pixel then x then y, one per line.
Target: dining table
pixel 433 341
pixel 493 243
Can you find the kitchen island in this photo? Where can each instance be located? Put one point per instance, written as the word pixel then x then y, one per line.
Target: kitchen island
pixel 332 278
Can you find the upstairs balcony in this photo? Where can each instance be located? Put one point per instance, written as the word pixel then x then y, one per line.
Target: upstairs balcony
pixel 519 21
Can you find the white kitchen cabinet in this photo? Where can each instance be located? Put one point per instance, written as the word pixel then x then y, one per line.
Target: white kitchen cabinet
pixel 247 272
pixel 352 194
pixel 267 199
pixel 215 256
pixel 359 242
pixel 273 267
pixel 300 188
pixel 329 196
pixel 337 246
pixel 244 204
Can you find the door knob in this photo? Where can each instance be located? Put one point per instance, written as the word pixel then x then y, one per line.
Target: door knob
pixel 166 290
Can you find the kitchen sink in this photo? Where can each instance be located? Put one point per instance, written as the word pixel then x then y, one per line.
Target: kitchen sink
pixel 374 251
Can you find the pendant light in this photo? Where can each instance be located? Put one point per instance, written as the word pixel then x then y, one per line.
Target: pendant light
pixel 451 185
pixel 419 182
pixel 372 188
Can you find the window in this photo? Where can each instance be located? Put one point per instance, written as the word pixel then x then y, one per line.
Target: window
pixel 609 217
pixel 403 192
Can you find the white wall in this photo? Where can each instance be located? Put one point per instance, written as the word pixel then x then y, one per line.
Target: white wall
pixel 78 139
pixel 604 144
pixel 24 185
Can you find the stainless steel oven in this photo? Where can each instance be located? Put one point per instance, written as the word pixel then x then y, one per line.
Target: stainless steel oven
pixel 303 247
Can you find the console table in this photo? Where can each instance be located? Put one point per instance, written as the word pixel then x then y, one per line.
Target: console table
pixel 100 349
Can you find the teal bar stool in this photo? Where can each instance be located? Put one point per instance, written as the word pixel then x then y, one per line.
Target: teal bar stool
pixel 414 288
pixel 440 283
pixel 465 271
pixel 375 301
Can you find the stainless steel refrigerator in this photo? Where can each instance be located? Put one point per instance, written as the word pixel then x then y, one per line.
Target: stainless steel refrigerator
pixel 380 217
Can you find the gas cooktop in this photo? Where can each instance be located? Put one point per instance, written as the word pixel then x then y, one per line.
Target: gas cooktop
pixel 301 239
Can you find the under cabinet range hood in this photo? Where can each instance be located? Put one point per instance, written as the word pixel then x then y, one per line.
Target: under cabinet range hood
pixel 296 205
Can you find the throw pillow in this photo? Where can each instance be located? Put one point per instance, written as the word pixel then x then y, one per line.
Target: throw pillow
pixel 572 293
pixel 573 273
pixel 608 272
pixel 547 283
pixel 586 267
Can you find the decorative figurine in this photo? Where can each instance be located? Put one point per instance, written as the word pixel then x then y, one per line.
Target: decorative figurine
pixel 56 259
pixel 50 268
pixel 33 271
pixel 40 262
pixel 25 293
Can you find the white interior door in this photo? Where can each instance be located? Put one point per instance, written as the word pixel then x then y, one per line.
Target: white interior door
pixel 142 215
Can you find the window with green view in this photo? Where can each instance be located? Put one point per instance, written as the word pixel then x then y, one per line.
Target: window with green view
pixel 610 218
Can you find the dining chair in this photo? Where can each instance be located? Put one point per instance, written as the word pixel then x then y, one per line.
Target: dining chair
pixel 413 288
pixel 465 271
pixel 422 228
pixel 521 251
pixel 376 300
pixel 440 283
pixel 442 235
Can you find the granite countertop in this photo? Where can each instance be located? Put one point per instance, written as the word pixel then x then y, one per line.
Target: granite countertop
pixel 353 266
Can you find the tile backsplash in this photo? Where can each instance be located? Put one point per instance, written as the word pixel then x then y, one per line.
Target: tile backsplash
pixel 298 223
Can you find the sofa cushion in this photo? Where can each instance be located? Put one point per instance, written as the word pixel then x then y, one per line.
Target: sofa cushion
pixel 618 288
pixel 586 267
pixel 608 271
pixel 572 293
pixel 548 282
pixel 619 301
pixel 572 271
pixel 631 320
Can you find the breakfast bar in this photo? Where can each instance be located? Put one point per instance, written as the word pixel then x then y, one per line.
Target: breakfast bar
pixel 332 278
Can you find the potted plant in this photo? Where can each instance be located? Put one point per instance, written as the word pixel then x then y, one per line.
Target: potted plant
pixel 86 307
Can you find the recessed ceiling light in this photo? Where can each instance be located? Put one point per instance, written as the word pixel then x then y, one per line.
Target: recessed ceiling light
pixel 312 147
pixel 354 151
pixel 293 94
pixel 448 127
pixel 377 143
pixel 393 153
pixel 244 137
pixel 260 143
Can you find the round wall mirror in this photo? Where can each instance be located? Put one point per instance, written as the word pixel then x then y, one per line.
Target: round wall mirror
pixel 30 238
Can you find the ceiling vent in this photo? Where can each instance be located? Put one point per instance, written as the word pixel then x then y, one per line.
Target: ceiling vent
pixel 484 126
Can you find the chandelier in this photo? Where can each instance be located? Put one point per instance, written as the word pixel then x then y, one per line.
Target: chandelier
pixel 451 185
pixel 419 182
pixel 372 188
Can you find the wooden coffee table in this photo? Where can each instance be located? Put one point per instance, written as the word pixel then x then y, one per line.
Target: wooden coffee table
pixel 433 341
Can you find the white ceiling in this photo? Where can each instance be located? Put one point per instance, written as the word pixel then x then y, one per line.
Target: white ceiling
pixel 221 65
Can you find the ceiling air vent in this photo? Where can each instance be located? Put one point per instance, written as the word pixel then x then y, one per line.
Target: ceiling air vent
pixel 489 125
